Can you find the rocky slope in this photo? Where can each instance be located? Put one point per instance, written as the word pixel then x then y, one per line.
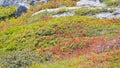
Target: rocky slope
pixel 22 5
pixel 92 4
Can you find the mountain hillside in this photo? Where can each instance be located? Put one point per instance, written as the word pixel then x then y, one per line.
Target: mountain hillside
pixel 60 34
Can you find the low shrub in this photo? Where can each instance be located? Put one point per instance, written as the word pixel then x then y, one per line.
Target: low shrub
pixel 112 2
pixel 6 12
pixel 20 59
pixel 86 11
pixel 51 32
pixel 101 30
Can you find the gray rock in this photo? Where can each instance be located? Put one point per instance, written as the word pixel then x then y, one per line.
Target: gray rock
pixel 104 15
pixel 117 16
pixel 64 14
pixel 91 3
pixel 32 2
pixel 11 2
pixel 116 12
pixel 44 1
pixel 1 2
pixel 22 5
pixel 15 2
pixel 22 8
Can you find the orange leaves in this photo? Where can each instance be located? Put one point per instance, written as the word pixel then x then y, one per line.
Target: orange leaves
pixel 78 45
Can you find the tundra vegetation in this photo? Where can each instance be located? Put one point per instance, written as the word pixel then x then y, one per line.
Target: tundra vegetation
pixel 43 41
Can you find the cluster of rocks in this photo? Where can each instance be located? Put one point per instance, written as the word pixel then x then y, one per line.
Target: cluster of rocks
pixel 22 5
pixel 16 2
pixel 114 14
pixel 89 3
pixel 99 4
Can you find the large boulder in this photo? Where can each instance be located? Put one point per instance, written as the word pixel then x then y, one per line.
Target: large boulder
pixel 91 3
pixel 104 15
pixel 22 8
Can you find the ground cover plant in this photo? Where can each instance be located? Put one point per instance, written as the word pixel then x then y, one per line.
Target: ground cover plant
pixel 6 12
pixel 43 41
pixel 112 2
pixel 65 36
